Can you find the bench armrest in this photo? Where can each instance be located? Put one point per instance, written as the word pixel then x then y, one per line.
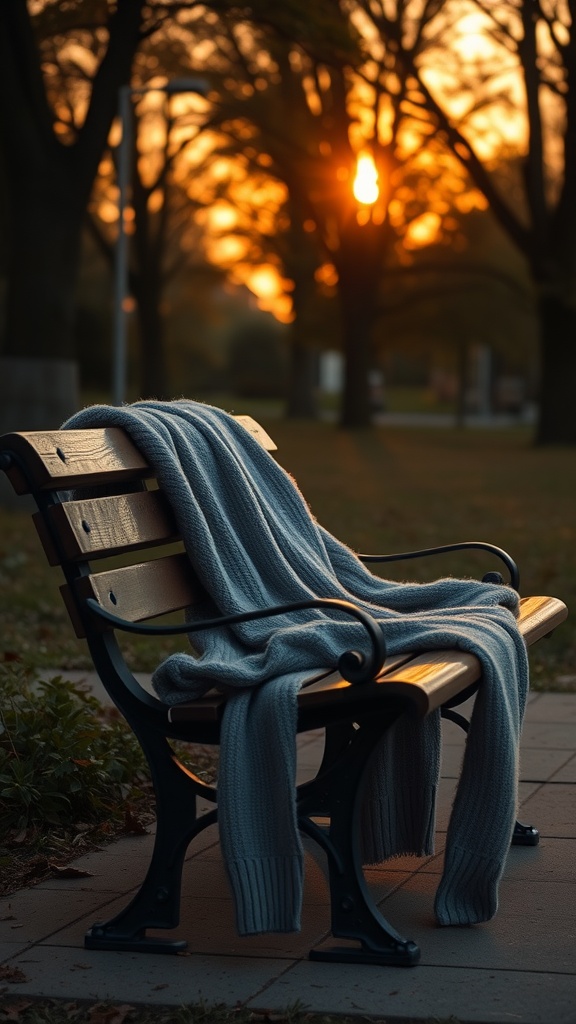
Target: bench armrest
pixel 354 666
pixel 461 546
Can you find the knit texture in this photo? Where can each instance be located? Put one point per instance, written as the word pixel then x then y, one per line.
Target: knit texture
pixel 254 543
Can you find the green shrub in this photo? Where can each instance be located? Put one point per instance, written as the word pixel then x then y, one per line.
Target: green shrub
pixel 62 760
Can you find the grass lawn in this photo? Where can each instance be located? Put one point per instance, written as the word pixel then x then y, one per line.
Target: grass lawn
pixel 389 489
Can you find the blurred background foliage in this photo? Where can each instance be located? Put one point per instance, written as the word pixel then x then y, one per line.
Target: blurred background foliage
pixel 391 180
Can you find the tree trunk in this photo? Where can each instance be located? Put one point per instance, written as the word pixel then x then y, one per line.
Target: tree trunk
pixel 153 374
pixel 42 273
pixel 359 263
pixel 302 381
pixel 355 411
pixel 357 288
pixel 557 418
pixel 35 394
pixel 49 182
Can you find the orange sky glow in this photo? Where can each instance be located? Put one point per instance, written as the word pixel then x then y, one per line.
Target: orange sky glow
pixel 235 202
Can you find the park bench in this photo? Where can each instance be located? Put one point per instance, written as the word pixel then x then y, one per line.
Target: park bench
pixel 102 518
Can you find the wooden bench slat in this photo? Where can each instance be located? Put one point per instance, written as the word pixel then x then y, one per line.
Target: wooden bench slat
pixel 99 527
pixel 539 616
pixel 440 675
pixel 63 458
pixel 254 428
pixel 314 693
pixel 137 592
pixel 60 458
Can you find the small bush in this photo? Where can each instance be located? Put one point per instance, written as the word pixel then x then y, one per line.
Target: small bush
pixel 61 759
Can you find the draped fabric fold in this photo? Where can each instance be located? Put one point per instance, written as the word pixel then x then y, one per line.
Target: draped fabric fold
pixel 254 543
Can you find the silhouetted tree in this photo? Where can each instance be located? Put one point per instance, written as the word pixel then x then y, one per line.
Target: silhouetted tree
pixel 51 161
pixel 533 196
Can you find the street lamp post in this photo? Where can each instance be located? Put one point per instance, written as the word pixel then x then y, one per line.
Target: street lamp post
pixel 121 289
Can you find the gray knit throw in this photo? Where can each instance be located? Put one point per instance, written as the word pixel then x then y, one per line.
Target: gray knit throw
pixel 254 543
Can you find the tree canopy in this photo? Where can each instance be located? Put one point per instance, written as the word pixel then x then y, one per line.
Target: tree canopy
pixel 454 104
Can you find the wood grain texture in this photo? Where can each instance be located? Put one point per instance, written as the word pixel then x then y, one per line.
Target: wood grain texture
pixel 539 616
pixel 47 459
pixel 98 527
pixel 142 591
pixel 61 458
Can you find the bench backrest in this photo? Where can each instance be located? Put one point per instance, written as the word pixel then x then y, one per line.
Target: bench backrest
pixel 102 518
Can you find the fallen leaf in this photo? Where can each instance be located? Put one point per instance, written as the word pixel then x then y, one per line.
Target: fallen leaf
pixel 12 974
pixel 68 871
pixel 133 824
pixel 13 1011
pixel 101 1013
pixel 156 988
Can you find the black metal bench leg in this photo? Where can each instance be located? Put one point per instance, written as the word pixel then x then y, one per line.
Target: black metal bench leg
pixel 354 915
pixel 157 902
pixel 523 835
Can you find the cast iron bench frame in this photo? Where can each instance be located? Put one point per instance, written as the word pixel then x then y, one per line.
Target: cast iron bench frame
pixel 95 499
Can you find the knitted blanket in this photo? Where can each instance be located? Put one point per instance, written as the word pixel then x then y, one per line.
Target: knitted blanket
pixel 254 543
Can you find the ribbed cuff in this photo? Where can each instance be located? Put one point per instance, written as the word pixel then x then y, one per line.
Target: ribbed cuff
pixel 398 823
pixel 268 894
pixel 468 890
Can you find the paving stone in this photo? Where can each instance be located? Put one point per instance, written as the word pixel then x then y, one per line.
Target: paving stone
pixel 10 949
pixel 539 764
pixel 153 979
pixel 468 995
pixel 568 771
pixel 207 915
pixel 34 914
pixel 208 927
pixel 553 810
pixel 552 707
pixel 207 933
pixel 558 735
pixel 551 861
pixel 108 871
pixel 533 927
pixel 536 763
pixel 519 967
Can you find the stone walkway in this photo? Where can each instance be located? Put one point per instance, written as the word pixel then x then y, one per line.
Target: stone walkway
pixel 520 967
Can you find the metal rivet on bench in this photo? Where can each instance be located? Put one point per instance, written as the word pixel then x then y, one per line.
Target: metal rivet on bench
pixel 60 454
pixel 85 526
pixel 113 597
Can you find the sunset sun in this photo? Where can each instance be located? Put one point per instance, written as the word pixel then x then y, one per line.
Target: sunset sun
pixel 365 186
